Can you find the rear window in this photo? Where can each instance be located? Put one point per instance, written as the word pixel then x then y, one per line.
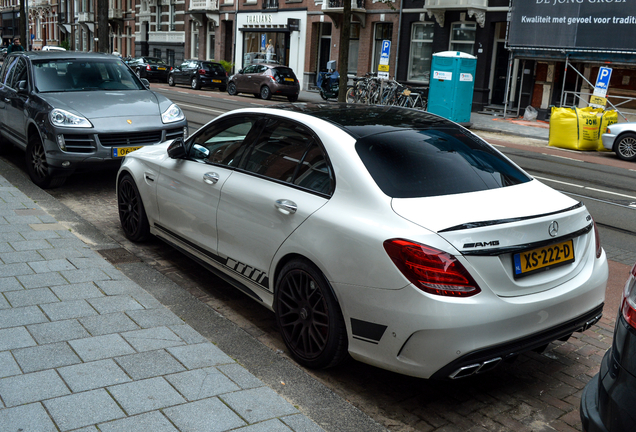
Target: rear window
pixel 425 163
pixel 283 72
pixel 213 67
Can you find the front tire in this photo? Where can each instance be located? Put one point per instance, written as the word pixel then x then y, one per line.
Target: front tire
pixel 132 213
pixel 625 147
pixel 309 317
pixel 171 81
pixel 38 167
pixel 195 83
pixel 231 89
pixel 266 93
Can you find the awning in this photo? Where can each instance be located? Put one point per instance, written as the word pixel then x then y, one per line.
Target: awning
pixel 66 28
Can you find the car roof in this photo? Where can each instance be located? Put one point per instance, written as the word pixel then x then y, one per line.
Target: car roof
pixel 45 55
pixel 364 120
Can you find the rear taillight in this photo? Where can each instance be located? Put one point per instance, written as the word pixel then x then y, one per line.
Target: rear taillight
pixel 431 270
pixel 201 71
pixel 147 67
pixel 597 241
pixel 629 300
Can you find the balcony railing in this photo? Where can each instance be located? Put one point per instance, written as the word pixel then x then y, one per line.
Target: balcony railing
pixel 204 5
pixel 85 17
pixel 338 5
pixel 115 14
pixel 455 4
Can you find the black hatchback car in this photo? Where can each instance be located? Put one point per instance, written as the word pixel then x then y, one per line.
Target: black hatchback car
pixel 607 403
pixel 199 73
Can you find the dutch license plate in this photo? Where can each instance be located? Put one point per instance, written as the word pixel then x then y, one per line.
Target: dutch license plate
pixel 161 68
pixel 123 151
pixel 216 81
pixel 543 258
pixel 289 79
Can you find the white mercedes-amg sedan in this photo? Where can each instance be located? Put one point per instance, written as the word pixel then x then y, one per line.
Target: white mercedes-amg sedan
pixel 388 234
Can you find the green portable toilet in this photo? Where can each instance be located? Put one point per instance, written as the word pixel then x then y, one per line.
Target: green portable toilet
pixel 450 93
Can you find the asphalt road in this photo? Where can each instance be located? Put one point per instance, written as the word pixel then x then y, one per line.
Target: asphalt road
pixel 538 392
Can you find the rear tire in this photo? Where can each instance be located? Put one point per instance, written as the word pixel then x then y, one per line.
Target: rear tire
pixel 309 316
pixel 625 147
pixel 132 214
pixel 195 83
pixel 266 93
pixel 38 167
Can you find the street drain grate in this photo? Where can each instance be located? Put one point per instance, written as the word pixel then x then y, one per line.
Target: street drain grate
pixel 118 256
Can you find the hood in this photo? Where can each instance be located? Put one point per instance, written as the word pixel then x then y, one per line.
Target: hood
pixel 99 104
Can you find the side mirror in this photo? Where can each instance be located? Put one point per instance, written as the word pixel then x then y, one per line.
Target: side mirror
pixel 176 150
pixel 240 71
pixel 145 82
pixel 23 87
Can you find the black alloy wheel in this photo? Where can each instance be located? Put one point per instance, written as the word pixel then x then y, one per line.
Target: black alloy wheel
pixel 38 167
pixel 171 80
pixel 266 93
pixel 132 214
pixel 195 84
pixel 309 317
pixel 625 147
pixel 231 89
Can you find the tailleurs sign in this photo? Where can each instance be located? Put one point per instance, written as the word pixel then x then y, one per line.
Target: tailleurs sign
pixel 600 25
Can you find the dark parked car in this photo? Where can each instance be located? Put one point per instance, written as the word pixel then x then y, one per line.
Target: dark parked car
pixel 71 110
pixel 265 80
pixel 151 68
pixel 199 73
pixel 607 403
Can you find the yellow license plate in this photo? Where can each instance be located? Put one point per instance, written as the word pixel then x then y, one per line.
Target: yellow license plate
pixel 161 68
pixel 123 151
pixel 216 81
pixel 543 258
pixel 289 79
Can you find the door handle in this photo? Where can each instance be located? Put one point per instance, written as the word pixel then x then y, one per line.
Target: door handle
pixel 286 206
pixel 210 178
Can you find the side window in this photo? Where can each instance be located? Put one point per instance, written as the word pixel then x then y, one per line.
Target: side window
pixel 7 70
pixel 278 150
pixel 250 69
pixel 19 73
pixel 314 172
pixel 222 143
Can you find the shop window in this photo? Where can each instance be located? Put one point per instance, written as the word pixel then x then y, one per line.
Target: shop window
pixel 354 48
pixel 463 37
pixel 421 52
pixel 383 31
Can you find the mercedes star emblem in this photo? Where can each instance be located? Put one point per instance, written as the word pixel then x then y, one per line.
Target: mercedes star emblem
pixel 553 228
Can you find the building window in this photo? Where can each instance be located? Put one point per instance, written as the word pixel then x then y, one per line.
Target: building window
pixel 156 53
pixel 421 52
pixel 354 48
pixel 463 37
pixel 173 27
pixel 383 31
pixel 158 26
pixel 170 54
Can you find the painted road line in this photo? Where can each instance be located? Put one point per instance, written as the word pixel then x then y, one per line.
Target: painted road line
pixel 199 107
pixel 587 188
pixel 562 157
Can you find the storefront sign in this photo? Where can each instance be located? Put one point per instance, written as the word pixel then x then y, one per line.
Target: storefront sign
pixel 573 24
pixel 260 19
pixel 293 24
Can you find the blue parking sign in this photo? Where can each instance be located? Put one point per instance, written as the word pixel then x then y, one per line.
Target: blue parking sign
pixel 386 49
pixel 602 81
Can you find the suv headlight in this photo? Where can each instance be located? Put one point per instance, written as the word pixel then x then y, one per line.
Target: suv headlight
pixel 59 117
pixel 172 114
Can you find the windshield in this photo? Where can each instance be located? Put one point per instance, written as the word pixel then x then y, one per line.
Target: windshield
pixel 432 162
pixel 71 75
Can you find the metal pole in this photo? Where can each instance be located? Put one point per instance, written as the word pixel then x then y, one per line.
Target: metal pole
pixel 507 83
pixel 523 68
pixel 565 74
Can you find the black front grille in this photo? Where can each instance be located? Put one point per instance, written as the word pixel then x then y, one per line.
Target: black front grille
pixel 130 139
pixel 79 143
pixel 174 133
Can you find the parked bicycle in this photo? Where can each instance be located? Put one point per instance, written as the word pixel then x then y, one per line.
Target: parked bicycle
pixel 370 90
